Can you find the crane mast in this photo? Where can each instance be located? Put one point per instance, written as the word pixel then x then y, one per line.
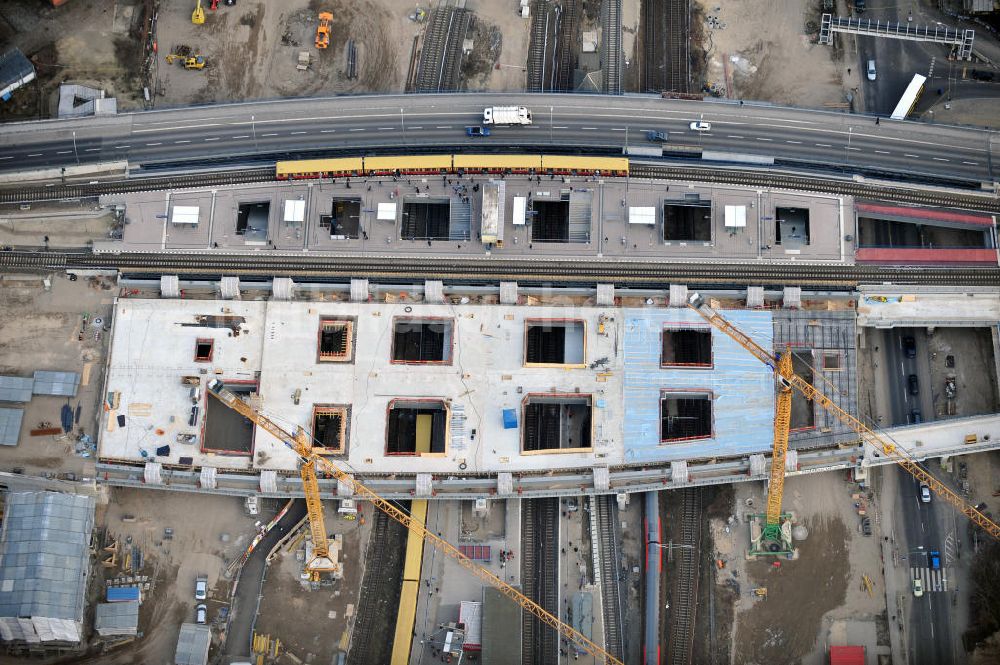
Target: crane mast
pixel 773 533
pixel 301 444
pixel 881 443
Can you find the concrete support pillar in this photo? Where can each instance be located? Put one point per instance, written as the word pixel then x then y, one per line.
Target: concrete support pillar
pixel 678 295
pixel 791 461
pixel 359 290
pixel 434 291
pixel 602 479
pixel 505 483
pixel 792 297
pixel 170 286
pixel 229 288
pixel 345 488
pixel 508 293
pixel 758 465
pixel 679 471
pixel 207 478
pixel 424 487
pixel 268 481
pixel 605 295
pixel 152 473
pixel 282 288
pixel 755 296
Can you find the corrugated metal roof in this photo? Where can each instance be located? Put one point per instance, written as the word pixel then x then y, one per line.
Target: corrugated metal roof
pixel 15 69
pixel 61 384
pixel 44 555
pixel 741 387
pixel 10 426
pixel 117 618
pixel 192 644
pixel 16 388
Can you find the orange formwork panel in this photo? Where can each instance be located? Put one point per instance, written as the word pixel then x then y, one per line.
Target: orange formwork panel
pixel 498 163
pixel 318 168
pixel 569 164
pixel 411 164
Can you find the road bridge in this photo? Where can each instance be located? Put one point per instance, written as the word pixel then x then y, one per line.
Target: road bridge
pixel 260 132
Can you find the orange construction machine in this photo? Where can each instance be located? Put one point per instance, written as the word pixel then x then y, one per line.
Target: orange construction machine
pixel 323 30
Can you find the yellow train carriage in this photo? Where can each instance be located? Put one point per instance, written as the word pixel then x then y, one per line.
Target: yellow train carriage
pixel 497 163
pixel 319 168
pixel 581 165
pixel 406 617
pixel 408 165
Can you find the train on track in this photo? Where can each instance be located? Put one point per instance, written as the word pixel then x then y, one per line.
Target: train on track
pixel 560 165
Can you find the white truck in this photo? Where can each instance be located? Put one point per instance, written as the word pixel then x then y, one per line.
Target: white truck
pixel 506 115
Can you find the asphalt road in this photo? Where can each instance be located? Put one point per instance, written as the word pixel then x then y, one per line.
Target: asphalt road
pixel 262 131
pixel 900 368
pixel 929 622
pixel 244 611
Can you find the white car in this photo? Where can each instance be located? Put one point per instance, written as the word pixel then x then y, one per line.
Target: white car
pixel 925 493
pixel 871 70
pixel 201 613
pixel 701 126
pixel 918 588
pixel 201 588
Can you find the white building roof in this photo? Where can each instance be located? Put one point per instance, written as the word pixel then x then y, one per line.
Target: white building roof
pixel 185 215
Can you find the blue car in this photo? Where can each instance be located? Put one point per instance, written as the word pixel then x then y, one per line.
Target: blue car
pixel 477 131
pixel 935 559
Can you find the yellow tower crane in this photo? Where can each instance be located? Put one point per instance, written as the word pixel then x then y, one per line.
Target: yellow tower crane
pixel 301 444
pixel 882 444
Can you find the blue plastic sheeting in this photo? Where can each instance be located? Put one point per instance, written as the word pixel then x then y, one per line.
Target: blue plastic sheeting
pixel 510 418
pixel 123 594
pixel 742 387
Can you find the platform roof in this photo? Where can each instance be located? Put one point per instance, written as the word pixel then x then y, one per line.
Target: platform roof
pixel 16 388
pixel 932 216
pixel 10 426
pixel 45 555
pixel 59 384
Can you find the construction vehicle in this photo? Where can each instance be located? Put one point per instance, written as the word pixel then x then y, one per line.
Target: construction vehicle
pixel 189 62
pixel 323 30
pixel 301 444
pixel 198 15
pixel 881 443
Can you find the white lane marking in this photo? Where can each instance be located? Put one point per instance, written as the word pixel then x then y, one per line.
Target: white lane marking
pixel 616 129
pixel 271 134
pixel 293 133
pixel 906 154
pixel 6 157
pixel 151 144
pixel 559 127
pixel 590 129
pixel 170 129
pixel 122 147
pixel 182 141
pixel 35 154
pixel 242 136
pixel 940 159
pixel 65 152
pixel 761 138
pixel 735 136
pixel 438 127
pixel 91 149
pixel 381 129
pixel 413 127
pixel 971 163
pixel 854 149
pixel 327 131
pixel 823 145
pixel 883 152
pixel 793 142
pixel 214 138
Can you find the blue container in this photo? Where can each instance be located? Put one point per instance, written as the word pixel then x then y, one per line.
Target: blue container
pixel 121 594
pixel 510 418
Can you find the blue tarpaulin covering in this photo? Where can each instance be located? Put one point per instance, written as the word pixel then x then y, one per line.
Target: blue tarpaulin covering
pixel 121 594
pixel 510 418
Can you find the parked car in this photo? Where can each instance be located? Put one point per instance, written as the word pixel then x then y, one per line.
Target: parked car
pixel 918 588
pixel 910 347
pixel 913 384
pixel 477 130
pixel 935 559
pixel 657 137
pixel 201 587
pixel 925 493
pixel 871 70
pixel 701 126
pixel 980 75
pixel 201 613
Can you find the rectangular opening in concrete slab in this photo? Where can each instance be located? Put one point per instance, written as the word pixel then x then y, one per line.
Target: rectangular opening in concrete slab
pixel 685 416
pixel 203 350
pixel 426 219
pixel 336 340
pixel 686 347
pixel 791 228
pixel 685 221
pixel 422 341
pixel 416 427
pixel 803 413
pixel 554 342
pixel 550 221
pixel 557 423
pixel 330 428
pixel 832 361
pixel 886 233
pixel 344 220
pixel 252 220
pixel 226 431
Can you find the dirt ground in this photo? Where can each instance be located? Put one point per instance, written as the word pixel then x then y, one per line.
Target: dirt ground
pixel 41 330
pixel 761 51
pixel 808 599
pixel 313 625
pixel 972 349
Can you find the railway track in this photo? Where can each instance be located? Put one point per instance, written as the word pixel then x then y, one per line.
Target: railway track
pixel 526 271
pixel 612 20
pixel 568 29
pixel 538 46
pixel 540 578
pixel 441 55
pixel 611 605
pixel 684 588
pixel 676 36
pixel 378 603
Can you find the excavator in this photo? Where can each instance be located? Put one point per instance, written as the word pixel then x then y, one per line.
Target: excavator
pixel 189 61
pixel 309 461
pixel 198 15
pixel 323 30
pixel 881 443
